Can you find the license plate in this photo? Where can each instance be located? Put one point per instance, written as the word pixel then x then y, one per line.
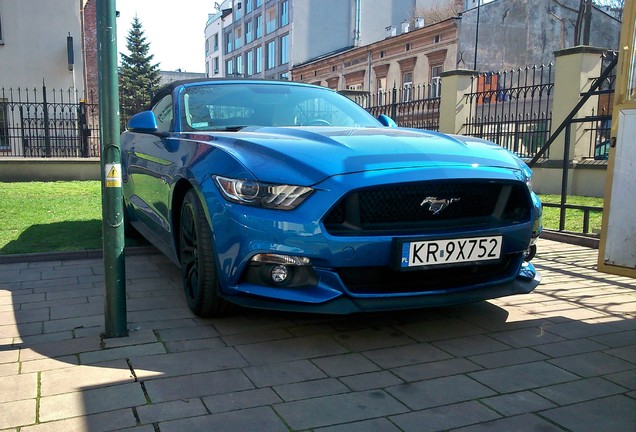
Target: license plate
pixel 450 251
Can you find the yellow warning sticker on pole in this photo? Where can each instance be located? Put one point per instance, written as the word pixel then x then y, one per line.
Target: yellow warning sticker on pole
pixel 113 175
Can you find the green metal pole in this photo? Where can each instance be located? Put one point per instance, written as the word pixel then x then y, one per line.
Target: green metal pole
pixel 112 202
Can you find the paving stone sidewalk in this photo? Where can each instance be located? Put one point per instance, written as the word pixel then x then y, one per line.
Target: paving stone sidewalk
pixel 560 359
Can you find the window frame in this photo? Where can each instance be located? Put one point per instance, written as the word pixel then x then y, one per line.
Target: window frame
pixel 258 59
pixel 270 53
pixel 284 13
pixel 283 49
pixel 274 13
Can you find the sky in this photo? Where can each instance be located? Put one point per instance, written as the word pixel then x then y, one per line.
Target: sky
pixel 175 30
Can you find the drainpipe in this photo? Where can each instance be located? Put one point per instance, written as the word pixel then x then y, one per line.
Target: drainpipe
pixel 356 31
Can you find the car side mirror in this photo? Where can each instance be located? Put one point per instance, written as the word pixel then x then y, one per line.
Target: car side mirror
pixel 145 122
pixel 386 121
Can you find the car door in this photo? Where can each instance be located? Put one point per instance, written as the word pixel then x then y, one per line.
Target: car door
pixel 151 170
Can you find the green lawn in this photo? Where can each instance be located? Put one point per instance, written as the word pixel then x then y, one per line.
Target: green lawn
pixel 573 218
pixel 63 216
pixel 50 216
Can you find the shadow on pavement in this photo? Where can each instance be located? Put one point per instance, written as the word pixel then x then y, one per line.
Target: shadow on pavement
pixel 561 358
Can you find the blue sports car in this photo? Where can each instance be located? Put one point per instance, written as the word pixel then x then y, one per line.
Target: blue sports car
pixel 290 196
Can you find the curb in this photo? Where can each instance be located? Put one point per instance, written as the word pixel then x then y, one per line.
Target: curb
pixel 571 238
pixel 72 255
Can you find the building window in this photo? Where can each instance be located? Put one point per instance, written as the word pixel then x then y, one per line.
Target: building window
pixel 238 12
pixel 216 42
pixel 435 88
pixel 258 3
pixel 207 47
pixel 284 76
pixel 258 24
pixel 284 13
pixel 437 39
pixel 407 86
pixel 248 6
pixel 249 35
pixel 229 67
pixel 238 37
pixel 381 85
pixel 270 20
pixel 258 63
pixel 382 54
pixel 271 55
pixel 284 49
pixel 239 65
pixel 407 47
pixel 216 65
pixel 228 42
pixel 249 63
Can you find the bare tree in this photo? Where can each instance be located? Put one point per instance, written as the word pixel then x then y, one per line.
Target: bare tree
pixel 439 11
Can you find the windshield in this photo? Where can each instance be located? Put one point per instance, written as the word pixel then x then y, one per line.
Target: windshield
pixel 232 106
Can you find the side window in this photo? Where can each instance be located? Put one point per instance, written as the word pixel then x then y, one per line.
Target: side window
pixel 164 114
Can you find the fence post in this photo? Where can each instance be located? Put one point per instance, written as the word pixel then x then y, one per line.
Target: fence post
pixel 454 109
pixel 47 131
pixel 394 103
pixel 574 70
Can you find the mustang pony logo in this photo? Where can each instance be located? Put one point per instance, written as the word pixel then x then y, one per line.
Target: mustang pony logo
pixel 436 205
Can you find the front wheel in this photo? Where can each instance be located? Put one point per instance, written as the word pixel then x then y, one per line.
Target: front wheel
pixel 198 262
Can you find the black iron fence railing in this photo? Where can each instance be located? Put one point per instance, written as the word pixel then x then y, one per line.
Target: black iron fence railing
pixel 598 125
pixel 414 106
pixel 42 123
pixel 512 108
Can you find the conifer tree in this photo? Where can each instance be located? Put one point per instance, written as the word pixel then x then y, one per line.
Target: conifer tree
pixel 138 76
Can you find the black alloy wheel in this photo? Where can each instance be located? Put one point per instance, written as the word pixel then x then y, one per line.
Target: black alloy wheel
pixel 198 263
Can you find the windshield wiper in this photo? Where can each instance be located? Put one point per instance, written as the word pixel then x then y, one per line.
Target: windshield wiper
pixel 228 128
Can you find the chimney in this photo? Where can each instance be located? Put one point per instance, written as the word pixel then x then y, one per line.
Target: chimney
pixel 419 22
pixel 391 31
pixel 405 26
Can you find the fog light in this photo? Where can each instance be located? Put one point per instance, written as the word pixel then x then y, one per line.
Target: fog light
pixel 279 273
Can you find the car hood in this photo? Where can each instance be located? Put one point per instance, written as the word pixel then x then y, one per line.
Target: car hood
pixel 306 156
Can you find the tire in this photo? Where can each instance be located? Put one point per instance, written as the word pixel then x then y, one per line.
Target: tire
pixel 198 262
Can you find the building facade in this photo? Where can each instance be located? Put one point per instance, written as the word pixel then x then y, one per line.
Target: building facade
pixel 512 34
pixel 519 33
pixel 412 57
pixel 43 46
pixel 266 38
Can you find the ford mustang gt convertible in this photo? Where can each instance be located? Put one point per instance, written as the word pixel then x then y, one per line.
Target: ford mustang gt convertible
pixel 290 196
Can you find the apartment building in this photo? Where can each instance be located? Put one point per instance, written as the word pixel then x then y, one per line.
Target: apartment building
pixel 266 38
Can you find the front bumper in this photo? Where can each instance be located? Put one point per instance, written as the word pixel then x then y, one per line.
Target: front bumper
pixel 241 232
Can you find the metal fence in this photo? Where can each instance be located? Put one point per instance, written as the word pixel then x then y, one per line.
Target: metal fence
pixel 512 108
pixel 410 106
pixel 38 123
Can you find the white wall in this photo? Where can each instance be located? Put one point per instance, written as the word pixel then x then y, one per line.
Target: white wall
pixel 34 33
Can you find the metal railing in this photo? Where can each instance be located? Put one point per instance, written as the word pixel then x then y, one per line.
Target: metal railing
pixel 512 108
pixel 38 123
pixel 410 106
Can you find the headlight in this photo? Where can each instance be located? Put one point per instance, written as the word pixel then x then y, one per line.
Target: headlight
pixel 253 193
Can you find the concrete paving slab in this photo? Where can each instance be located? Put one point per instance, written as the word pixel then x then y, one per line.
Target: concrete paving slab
pixel 614 413
pixel 444 418
pixel 560 358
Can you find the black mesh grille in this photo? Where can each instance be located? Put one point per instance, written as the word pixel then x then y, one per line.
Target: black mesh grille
pixel 403 208
pixel 384 280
